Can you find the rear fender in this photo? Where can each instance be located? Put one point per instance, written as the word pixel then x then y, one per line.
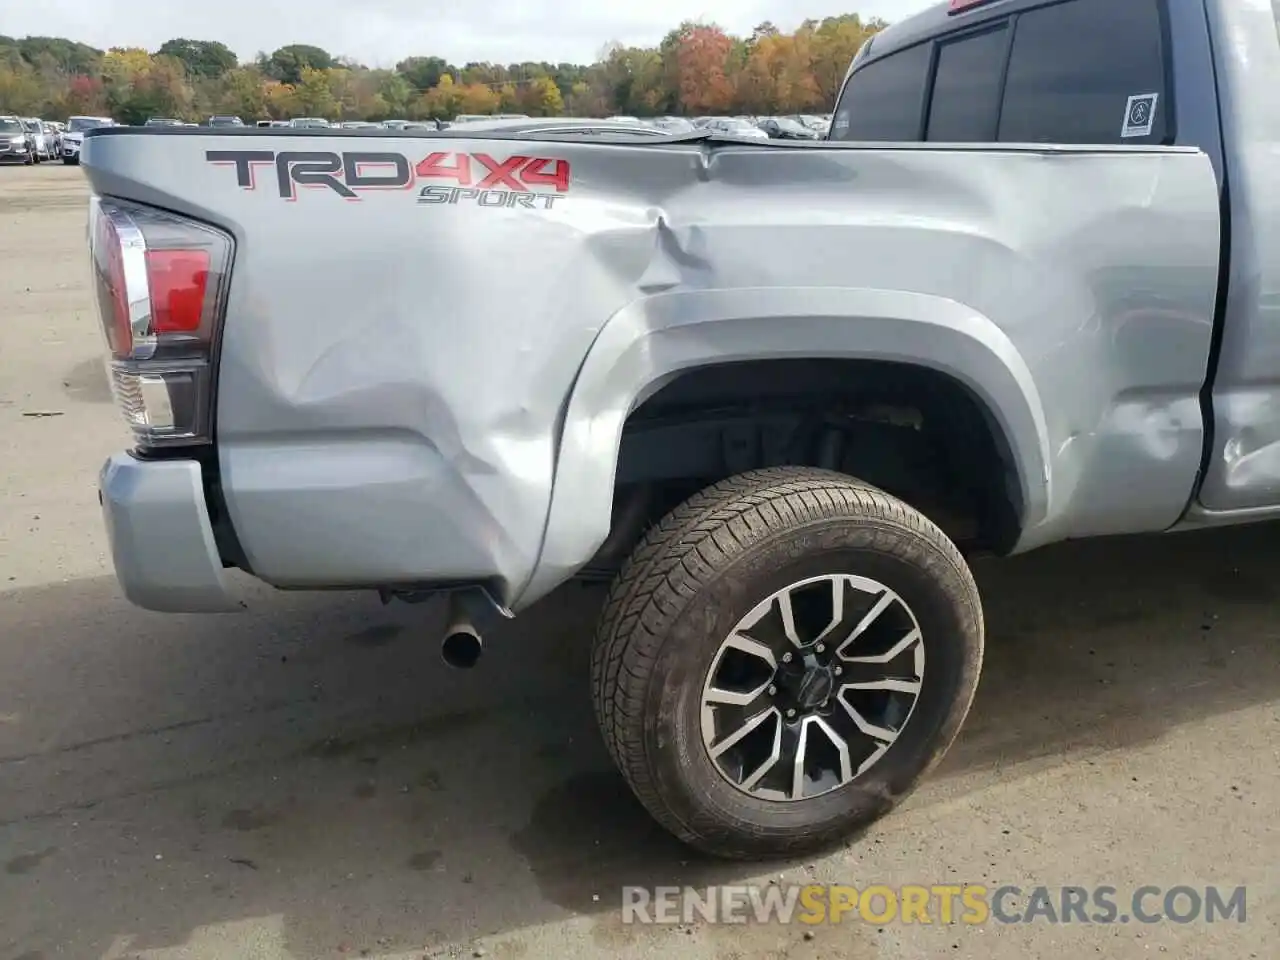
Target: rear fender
pixel 654 338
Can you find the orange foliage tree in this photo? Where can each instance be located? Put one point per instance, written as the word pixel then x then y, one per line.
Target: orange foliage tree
pixel 697 68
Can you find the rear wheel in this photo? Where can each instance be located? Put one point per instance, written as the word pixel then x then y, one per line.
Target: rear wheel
pixel 781 660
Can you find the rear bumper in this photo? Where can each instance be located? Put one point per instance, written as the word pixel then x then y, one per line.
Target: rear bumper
pixel 161 538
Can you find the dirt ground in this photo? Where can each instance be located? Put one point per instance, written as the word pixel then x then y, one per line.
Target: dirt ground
pixel 306 780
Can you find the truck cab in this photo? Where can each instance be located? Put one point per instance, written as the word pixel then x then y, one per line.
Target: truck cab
pixel 1136 73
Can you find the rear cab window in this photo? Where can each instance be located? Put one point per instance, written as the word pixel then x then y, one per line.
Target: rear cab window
pixel 1065 71
pixel 884 99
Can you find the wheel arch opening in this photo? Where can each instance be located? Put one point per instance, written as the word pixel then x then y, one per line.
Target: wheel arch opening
pixel 914 431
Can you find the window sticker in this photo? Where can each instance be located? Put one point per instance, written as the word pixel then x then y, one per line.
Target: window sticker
pixel 1140 115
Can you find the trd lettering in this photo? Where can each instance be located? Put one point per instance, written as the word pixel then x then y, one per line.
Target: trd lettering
pixel 383 171
pixel 310 170
pixel 515 181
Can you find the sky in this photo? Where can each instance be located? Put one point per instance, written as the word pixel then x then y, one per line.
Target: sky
pixel 381 32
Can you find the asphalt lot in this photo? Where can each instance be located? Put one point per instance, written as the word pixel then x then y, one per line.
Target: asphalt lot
pixel 306 779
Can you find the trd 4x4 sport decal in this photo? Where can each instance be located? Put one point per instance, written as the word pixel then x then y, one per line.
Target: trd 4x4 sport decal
pixel 516 181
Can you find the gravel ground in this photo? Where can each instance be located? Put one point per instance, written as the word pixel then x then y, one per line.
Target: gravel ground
pixel 306 780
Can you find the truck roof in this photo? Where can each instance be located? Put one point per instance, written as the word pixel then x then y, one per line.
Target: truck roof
pixel 942 18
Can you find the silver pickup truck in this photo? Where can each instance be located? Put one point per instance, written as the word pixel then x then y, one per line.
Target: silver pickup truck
pixel 775 392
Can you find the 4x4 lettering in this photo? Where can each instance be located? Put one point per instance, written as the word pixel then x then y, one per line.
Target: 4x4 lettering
pixel 535 174
pixel 433 165
pixel 501 173
pixel 310 170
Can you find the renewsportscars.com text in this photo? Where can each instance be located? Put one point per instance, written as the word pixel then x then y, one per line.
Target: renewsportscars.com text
pixel 972 904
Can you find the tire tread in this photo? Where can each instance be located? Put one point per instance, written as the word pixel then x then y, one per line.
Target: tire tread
pixel 670 565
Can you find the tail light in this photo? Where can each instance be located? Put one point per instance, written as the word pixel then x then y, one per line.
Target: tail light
pixel 161 283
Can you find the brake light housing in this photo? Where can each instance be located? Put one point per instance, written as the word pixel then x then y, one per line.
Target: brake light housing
pixel 161 282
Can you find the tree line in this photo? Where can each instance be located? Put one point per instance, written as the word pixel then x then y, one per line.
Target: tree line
pixel 697 69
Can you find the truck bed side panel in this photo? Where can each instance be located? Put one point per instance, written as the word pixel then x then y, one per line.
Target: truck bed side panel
pixel 397 377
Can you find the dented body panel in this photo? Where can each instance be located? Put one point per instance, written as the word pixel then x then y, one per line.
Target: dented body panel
pixel 1242 475
pixel 416 390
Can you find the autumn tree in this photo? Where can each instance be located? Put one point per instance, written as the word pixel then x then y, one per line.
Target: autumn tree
pixel 200 58
pixel 20 89
pixel 313 94
pixel 541 98
pixel 702 60
pixel 288 63
pixel 834 42
pixel 396 92
pixel 477 98
pixel 139 86
pixel 696 68
pixel 423 73
pixel 281 100
pixel 241 93
pixel 71 57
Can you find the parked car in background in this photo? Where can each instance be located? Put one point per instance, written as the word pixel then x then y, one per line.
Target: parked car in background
pixel 41 137
pixel 674 125
pixel 162 122
pixel 310 123
pixel 219 121
pixel 558 126
pixel 822 125
pixel 16 143
pixel 735 127
pixel 56 128
pixel 360 125
pixel 76 127
pixel 785 128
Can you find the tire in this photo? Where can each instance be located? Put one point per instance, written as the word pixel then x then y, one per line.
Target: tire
pixel 710 563
pixel 71 161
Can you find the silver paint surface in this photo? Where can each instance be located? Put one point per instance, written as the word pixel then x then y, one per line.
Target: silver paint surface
pixel 412 393
pixel 1243 477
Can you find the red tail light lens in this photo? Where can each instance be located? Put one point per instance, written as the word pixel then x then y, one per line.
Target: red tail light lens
pixel 179 280
pixel 161 282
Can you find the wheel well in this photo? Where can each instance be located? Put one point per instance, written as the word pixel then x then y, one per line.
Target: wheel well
pixel 912 431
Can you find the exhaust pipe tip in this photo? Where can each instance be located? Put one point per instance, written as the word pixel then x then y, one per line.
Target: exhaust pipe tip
pixel 462 647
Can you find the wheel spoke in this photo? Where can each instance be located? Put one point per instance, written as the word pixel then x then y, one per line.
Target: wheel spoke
pixel 882 734
pixel 752 648
pixel 797 763
pixel 771 761
pixel 887 599
pixel 891 654
pixel 838 587
pixel 750 724
pixel 788 619
pixel 888 683
pixel 739 697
